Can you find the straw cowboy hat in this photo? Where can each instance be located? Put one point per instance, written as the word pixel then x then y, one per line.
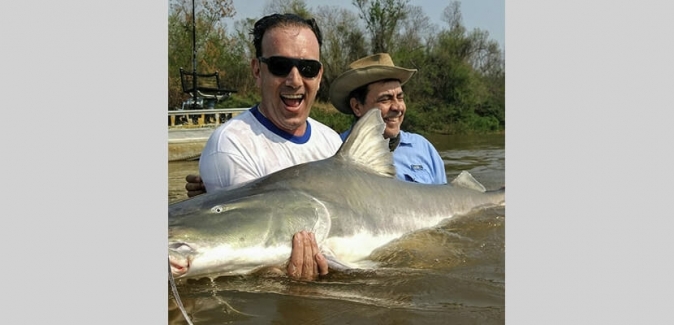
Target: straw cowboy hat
pixel 362 72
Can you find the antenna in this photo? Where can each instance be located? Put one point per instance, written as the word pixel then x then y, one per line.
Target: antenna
pixel 194 56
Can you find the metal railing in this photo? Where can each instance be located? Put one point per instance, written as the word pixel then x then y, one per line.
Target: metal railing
pixel 203 112
pixel 207 111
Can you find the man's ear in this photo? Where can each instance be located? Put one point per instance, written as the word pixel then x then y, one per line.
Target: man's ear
pixel 255 68
pixel 356 108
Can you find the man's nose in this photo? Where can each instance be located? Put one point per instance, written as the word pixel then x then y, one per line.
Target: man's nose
pixel 294 78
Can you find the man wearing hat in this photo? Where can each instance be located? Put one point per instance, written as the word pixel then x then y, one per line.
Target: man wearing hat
pixel 375 82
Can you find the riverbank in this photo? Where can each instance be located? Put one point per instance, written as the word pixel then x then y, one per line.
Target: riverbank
pixel 185 142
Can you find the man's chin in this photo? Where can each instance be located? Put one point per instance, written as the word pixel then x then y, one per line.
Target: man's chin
pixel 392 128
pixel 388 134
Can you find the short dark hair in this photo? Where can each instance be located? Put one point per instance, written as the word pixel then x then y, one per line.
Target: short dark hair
pixel 281 20
pixel 360 93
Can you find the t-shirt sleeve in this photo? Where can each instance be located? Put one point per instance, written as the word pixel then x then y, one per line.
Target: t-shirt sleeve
pixel 219 170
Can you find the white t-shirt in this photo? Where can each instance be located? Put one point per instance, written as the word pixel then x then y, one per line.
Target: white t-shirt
pixel 250 146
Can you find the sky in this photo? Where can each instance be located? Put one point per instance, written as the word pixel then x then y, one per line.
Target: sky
pixel 487 15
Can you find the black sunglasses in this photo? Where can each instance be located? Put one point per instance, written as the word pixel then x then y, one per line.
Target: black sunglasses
pixel 280 66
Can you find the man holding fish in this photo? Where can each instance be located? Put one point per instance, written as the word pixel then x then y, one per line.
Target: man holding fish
pixel 278 132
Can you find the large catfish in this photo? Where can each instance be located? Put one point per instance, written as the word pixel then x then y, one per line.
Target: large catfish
pixel 352 202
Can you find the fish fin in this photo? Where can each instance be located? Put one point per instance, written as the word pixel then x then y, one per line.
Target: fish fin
pixel 269 271
pixel 366 146
pixel 465 179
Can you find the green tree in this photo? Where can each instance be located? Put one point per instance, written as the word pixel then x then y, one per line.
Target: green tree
pixel 459 86
pixel 414 30
pixel 382 18
pixel 203 38
pixel 343 43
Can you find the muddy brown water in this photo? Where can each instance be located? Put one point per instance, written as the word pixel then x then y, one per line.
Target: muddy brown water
pixel 453 273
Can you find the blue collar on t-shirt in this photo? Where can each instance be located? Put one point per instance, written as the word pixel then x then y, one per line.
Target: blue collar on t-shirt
pixel 283 134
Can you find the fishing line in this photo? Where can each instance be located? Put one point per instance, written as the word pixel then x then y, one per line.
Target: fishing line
pixel 228 307
pixel 177 297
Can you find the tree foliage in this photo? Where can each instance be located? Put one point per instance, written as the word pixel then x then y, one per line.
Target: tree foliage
pixel 343 43
pixel 197 40
pixel 459 86
pixel 382 19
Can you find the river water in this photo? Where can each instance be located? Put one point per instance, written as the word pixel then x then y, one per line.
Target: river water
pixel 453 273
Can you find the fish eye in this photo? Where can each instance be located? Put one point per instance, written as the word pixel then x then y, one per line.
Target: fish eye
pixel 217 209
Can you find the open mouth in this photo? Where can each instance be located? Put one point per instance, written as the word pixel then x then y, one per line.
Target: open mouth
pixel 392 119
pixel 179 259
pixel 179 268
pixel 292 100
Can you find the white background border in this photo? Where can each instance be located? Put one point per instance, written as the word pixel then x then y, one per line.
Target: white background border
pixel 85 179
pixel 589 162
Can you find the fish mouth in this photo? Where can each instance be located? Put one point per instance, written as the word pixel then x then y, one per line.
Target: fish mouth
pixel 179 266
pixel 179 258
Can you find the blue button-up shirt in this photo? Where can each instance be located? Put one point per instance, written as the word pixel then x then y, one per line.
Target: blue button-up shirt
pixel 416 160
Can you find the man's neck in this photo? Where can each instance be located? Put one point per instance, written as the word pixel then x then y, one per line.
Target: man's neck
pixel 298 132
pixel 393 142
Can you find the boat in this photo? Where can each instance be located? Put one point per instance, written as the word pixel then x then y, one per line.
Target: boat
pixel 191 124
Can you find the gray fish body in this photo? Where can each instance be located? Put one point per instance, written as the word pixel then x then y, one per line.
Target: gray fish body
pixel 352 196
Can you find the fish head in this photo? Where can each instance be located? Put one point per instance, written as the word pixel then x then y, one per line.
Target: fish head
pixel 228 234
pixel 209 238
